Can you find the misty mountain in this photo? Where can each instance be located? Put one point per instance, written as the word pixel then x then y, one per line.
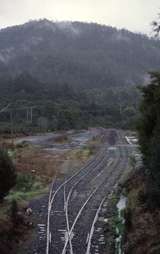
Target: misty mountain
pixel 81 54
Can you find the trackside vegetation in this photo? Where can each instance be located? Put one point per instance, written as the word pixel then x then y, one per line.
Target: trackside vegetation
pixel 149 137
pixel 7 174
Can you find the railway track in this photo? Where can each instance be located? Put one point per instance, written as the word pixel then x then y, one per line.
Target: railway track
pixel 102 192
pixel 75 204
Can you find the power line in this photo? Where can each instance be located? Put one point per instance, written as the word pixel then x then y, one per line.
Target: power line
pixel 5 108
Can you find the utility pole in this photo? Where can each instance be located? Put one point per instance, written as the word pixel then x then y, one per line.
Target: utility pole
pixel 27 115
pixel 31 114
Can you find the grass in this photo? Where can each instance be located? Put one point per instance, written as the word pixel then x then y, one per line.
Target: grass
pixel 27 187
pixel 82 154
pixel 21 196
pixel 133 198
pixel 36 168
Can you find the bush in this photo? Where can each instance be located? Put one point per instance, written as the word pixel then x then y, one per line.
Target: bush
pixel 7 174
pixel 25 182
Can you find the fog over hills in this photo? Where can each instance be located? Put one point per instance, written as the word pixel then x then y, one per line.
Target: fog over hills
pixel 76 74
pixel 81 54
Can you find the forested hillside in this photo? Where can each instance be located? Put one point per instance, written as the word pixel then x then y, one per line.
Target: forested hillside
pixel 64 106
pixel 83 55
pixel 74 74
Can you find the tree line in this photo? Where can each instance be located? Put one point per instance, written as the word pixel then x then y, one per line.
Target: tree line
pixel 62 106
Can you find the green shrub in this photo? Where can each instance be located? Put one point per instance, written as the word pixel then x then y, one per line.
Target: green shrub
pixel 7 174
pixel 25 182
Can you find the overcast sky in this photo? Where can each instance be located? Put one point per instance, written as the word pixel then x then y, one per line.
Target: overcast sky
pixel 135 15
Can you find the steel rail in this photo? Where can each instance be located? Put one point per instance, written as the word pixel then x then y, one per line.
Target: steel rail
pixel 84 205
pixel 93 226
pixel 52 197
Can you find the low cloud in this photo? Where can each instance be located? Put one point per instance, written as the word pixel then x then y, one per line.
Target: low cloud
pixel 134 15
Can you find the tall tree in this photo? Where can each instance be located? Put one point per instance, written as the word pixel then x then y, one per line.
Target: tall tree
pixel 149 135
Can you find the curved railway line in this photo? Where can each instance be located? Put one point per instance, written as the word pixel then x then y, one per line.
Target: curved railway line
pixel 75 203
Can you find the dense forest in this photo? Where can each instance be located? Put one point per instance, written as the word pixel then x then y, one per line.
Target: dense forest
pixel 72 75
pixel 64 107
pixel 81 54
